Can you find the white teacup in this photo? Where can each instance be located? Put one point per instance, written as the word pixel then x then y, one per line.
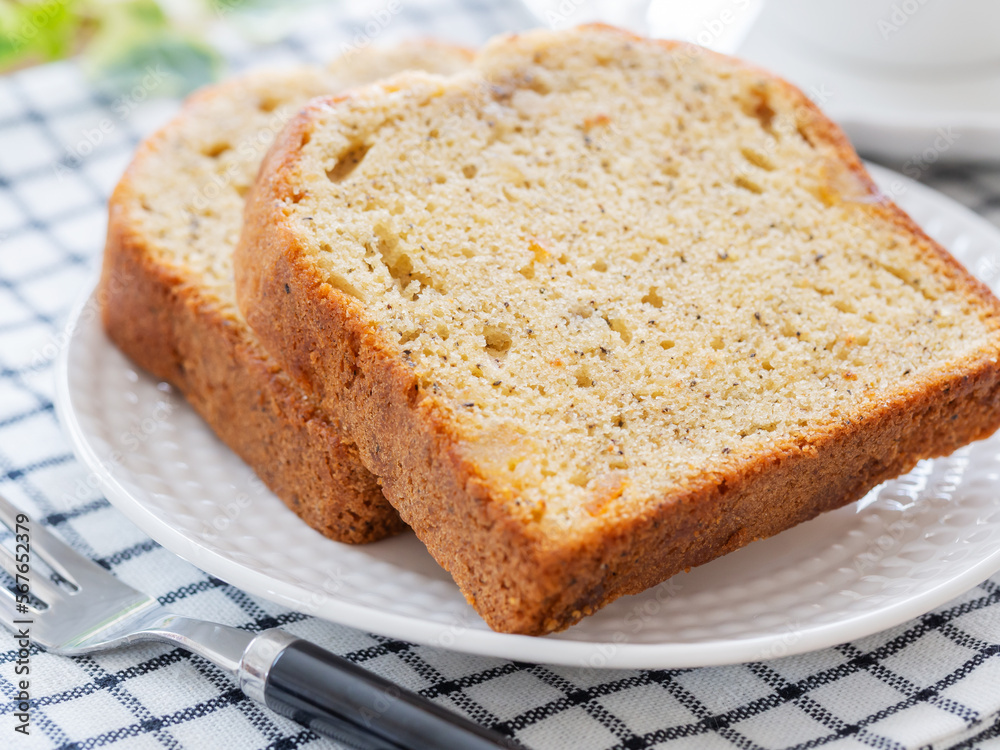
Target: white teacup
pixel 903 34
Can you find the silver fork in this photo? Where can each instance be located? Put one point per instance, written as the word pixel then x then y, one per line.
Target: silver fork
pixel 330 695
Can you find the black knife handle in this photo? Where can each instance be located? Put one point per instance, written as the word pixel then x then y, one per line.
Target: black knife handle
pixel 338 699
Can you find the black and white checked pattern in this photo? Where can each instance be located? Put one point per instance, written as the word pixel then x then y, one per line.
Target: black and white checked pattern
pixel 933 682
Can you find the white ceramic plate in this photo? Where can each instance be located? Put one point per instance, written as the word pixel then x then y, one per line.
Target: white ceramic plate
pixel 907 547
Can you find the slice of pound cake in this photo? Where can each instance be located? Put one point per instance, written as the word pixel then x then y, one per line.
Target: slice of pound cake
pixel 168 297
pixel 607 309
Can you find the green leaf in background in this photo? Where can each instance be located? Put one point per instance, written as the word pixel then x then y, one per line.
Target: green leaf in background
pixel 39 31
pixel 122 41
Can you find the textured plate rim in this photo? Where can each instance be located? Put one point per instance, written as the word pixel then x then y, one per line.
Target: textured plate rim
pixel 540 650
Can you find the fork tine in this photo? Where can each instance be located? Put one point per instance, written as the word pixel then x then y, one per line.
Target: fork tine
pixel 69 564
pixel 40 586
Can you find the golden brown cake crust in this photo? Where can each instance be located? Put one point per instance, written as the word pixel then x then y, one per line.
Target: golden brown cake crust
pixel 518 579
pixel 158 317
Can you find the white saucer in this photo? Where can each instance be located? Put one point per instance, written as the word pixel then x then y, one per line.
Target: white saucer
pixel 909 546
pixel 911 118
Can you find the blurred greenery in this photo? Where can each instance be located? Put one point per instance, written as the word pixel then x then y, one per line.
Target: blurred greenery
pixel 122 41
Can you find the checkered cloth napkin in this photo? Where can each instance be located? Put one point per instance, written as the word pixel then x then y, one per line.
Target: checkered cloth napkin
pixel 933 682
